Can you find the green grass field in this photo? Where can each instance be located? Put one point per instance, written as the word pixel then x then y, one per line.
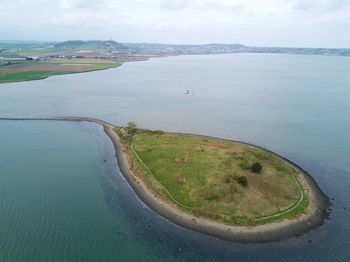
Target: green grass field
pixel 27 75
pixel 33 70
pixel 202 176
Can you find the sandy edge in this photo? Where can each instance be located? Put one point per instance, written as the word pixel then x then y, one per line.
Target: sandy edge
pixel 317 208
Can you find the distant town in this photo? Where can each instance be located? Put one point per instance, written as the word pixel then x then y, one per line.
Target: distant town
pixel 121 52
pixel 31 60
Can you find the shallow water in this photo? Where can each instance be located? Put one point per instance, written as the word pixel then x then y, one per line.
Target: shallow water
pixel 80 210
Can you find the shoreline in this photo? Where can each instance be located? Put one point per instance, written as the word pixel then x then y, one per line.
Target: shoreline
pixel 146 58
pixel 316 211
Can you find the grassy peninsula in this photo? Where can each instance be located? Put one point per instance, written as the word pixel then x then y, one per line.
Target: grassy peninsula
pixel 225 181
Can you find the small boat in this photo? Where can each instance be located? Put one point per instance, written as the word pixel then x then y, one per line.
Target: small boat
pixel 188 92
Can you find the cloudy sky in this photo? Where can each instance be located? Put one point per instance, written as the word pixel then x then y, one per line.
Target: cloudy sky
pixel 300 23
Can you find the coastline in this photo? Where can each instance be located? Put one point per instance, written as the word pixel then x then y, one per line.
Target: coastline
pixel 275 231
pixel 318 203
pixel 146 58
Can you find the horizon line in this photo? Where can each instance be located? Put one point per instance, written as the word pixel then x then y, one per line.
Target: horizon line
pixel 176 44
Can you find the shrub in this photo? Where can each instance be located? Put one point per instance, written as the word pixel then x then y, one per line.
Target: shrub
pixel 256 167
pixel 243 181
pixel 158 132
pixel 132 128
pixel 151 132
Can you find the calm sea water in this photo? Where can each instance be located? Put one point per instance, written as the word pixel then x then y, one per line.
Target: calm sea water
pixel 60 200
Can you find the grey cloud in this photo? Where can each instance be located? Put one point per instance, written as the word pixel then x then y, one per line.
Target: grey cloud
pixel 330 5
pixel 202 5
pixel 175 4
pixel 305 5
pixel 338 4
pixel 84 4
pixel 252 21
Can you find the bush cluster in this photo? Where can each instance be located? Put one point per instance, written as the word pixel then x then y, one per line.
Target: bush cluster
pixel 256 167
pixel 132 128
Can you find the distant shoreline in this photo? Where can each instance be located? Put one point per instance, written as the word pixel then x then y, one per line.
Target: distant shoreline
pixel 287 228
pixel 46 74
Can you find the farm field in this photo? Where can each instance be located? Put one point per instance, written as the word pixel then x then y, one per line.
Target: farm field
pixel 32 70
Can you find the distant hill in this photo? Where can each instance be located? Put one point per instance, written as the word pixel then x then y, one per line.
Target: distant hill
pixel 98 48
pixel 205 49
pixel 231 49
pixel 91 45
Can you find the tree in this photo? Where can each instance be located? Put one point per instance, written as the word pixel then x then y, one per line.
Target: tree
pixel 256 167
pixel 132 128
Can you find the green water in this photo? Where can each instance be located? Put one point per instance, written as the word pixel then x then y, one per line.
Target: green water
pixel 61 201
pixel 53 188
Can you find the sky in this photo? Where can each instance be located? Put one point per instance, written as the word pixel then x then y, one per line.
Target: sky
pixel 288 23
